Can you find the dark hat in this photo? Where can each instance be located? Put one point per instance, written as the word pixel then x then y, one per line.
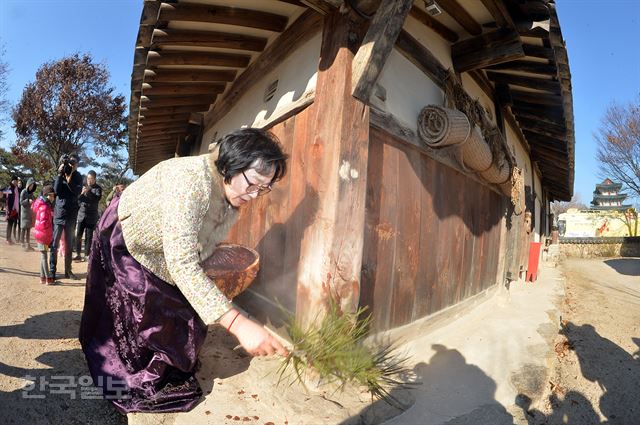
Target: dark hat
pixel 47 190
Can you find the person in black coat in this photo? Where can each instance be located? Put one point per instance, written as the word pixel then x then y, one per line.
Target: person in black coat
pixel 87 214
pixel 68 186
pixel 12 208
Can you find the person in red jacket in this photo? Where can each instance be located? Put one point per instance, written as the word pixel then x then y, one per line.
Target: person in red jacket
pixel 43 232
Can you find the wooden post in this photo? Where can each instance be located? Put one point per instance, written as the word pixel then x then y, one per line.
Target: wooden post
pixel 377 46
pixel 337 139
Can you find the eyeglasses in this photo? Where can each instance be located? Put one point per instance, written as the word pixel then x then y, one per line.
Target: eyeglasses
pixel 256 188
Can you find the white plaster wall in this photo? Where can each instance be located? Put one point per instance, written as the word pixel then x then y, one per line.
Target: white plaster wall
pixel 538 204
pixel 408 90
pixel 522 159
pixel 440 48
pixel 296 77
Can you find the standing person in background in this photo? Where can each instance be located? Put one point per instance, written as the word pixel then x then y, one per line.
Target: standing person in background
pixel 26 215
pixel 67 186
pixel 117 189
pixel 17 236
pixel 12 209
pixel 87 214
pixel 43 233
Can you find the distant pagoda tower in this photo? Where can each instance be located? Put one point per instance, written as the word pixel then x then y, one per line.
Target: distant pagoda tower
pixel 607 196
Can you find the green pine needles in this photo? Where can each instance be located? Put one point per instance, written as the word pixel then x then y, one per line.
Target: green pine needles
pixel 333 352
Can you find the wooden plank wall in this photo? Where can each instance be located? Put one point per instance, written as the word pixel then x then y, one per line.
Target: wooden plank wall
pixel 432 235
pixel 274 225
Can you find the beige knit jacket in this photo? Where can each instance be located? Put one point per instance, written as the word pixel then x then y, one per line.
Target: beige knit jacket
pixel 172 218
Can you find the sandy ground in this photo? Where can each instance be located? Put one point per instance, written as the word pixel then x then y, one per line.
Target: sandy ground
pixel 595 373
pixel 595 376
pixel 42 367
pixel 44 377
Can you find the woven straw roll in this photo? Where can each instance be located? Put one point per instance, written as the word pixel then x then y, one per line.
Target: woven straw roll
pixel 506 188
pixel 497 173
pixel 476 153
pixel 438 126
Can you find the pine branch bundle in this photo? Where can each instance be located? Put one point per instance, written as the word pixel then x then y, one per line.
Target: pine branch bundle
pixel 334 352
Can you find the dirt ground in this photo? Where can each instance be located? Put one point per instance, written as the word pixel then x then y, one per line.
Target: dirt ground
pixel 595 376
pixel 44 376
pixel 42 367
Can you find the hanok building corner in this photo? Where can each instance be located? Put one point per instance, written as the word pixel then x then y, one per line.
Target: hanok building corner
pixel 373 212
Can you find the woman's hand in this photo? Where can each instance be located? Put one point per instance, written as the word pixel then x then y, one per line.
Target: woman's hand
pixel 253 337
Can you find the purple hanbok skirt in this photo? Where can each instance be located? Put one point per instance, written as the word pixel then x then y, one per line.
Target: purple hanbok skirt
pixel 139 334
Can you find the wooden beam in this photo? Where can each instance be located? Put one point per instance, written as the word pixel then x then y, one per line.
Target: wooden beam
pixel 197 58
pixel 293 2
pixel 461 16
pixel 526 66
pixel 536 98
pixel 529 82
pixel 537 116
pixel 322 7
pixel 163 128
pixel 157 140
pixel 538 52
pixel 503 95
pixel 150 11
pixel 222 15
pixel 546 129
pixel 163 117
pixel 162 37
pixel 499 46
pixel 545 142
pixel 189 76
pixel 153 110
pixel 554 113
pixel 163 125
pixel 482 81
pixel 499 11
pixel 145 34
pixel 164 120
pixel 183 89
pixel 439 28
pixel 421 57
pixel 307 25
pixel 179 101
pixel 162 133
pixel 377 46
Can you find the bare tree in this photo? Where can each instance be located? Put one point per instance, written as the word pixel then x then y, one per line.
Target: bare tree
pixel 619 145
pixel 4 88
pixel 70 108
pixel 559 207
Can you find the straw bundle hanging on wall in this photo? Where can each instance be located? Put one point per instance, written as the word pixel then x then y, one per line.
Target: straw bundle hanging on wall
pixel 476 153
pixel 438 126
pixel 498 173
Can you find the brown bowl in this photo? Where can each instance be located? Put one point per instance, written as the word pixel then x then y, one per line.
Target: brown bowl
pixel 232 267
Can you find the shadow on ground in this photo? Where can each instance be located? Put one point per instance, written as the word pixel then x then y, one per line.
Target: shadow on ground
pixel 219 360
pixel 54 393
pixel 615 371
pixel 625 266
pixel 66 326
pixel 450 391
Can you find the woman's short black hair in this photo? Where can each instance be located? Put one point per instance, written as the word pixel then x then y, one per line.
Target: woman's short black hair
pixel 251 148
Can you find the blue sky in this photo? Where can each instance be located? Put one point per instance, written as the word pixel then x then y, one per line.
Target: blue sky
pixel 602 39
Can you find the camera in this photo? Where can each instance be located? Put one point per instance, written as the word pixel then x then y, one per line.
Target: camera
pixel 66 163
